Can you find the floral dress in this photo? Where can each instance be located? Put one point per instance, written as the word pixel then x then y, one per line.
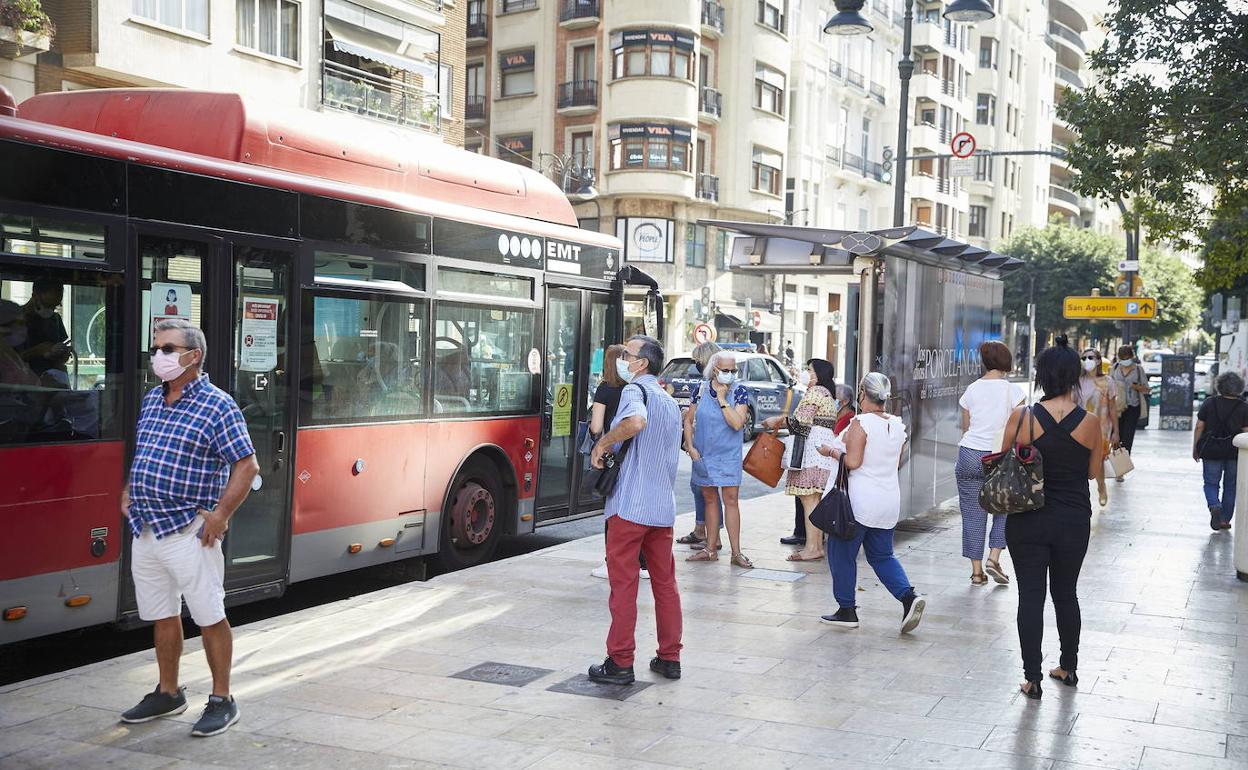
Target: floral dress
pixel 1094 395
pixel 816 414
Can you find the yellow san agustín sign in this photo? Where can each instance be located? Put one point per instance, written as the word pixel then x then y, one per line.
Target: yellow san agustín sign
pixel 1119 308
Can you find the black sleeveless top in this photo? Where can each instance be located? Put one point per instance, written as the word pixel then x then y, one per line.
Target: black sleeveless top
pixel 1065 463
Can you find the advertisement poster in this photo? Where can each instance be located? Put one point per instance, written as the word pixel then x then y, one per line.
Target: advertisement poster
pixel 1178 378
pixel 258 335
pixel 170 300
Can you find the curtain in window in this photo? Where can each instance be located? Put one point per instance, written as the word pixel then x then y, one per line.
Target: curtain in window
pixel 246 23
pixel 268 31
pixel 197 16
pixel 289 30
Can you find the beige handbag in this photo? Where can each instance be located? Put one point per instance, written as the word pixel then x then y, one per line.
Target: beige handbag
pixel 1118 463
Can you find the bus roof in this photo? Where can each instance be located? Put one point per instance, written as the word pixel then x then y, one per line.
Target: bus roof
pixel 222 135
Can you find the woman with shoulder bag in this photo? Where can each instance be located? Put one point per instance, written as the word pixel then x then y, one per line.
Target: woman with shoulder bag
pixel 1134 391
pixel 696 539
pixel 874 445
pixel 813 420
pixel 986 406
pixel 1099 400
pixel 1219 420
pixel 1048 544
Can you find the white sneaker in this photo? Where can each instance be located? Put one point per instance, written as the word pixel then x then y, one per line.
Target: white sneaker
pixel 645 574
pixel 600 571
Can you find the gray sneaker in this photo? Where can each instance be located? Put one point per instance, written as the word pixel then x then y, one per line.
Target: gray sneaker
pixel 217 717
pixel 156 704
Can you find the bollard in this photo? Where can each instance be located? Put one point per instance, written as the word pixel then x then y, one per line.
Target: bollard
pixel 1241 510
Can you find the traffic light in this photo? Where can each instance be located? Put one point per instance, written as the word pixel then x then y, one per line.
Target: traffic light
pixel 886 166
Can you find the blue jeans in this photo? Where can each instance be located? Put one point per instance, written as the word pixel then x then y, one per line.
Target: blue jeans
pixel 843 561
pixel 699 506
pixel 1223 471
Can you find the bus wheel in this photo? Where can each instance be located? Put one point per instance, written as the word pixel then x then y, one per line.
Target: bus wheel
pixel 473 518
pixel 750 431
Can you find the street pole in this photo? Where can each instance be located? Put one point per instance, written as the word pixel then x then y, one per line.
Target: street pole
pixel 905 68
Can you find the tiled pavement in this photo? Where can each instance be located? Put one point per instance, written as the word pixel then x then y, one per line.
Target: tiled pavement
pixel 368 682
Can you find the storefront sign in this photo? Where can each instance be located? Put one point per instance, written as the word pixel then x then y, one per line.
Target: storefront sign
pixel 645 239
pixel 653 131
pixel 257 350
pixel 521 144
pixel 654 37
pixel 517 60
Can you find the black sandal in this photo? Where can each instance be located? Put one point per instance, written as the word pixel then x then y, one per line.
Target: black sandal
pixel 1071 679
pixel 691 538
pixel 1031 689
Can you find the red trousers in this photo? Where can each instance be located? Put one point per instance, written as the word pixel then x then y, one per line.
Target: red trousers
pixel 625 541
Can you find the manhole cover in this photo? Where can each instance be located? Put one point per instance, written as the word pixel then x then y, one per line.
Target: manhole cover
pixel 502 673
pixel 918 525
pixel 772 574
pixel 582 685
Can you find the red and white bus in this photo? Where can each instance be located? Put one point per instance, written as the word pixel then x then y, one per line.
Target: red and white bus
pixel 412 331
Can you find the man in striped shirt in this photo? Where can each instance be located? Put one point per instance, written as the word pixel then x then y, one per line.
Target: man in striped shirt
pixel 641 513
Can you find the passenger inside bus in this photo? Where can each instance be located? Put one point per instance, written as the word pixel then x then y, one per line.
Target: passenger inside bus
pixel 47 345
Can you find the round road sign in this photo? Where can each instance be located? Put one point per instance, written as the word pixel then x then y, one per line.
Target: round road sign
pixel 962 145
pixel 703 333
pixel 758 319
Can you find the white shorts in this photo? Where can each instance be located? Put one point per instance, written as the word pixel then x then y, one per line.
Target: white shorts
pixel 178 567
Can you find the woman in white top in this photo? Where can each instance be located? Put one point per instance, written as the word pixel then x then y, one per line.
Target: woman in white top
pixel 874 442
pixel 986 406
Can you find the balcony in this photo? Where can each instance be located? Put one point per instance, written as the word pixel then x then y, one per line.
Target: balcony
pixel 1064 199
pixel 881 8
pixel 578 180
pixel 579 95
pixel 708 187
pixel 873 170
pixel 950 88
pixel 1069 76
pixel 16 43
pixel 711 103
pixel 579 13
pixel 478 26
pixel 877 92
pixel 1065 33
pixel 380 98
pixel 853 162
pixel 855 79
pixel 835 69
pixel 474 108
pixel 712 19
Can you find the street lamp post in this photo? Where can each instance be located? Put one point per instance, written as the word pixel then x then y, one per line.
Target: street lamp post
pixel 850 21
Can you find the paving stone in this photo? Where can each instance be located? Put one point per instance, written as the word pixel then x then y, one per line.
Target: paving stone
pixel 1066 748
pixel 918 754
pixel 1151 735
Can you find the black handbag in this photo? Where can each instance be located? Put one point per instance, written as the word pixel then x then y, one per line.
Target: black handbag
pixel 603 479
pixel 1014 479
pixel 835 514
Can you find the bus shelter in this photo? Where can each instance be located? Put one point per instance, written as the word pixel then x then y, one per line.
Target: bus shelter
pixel 919 305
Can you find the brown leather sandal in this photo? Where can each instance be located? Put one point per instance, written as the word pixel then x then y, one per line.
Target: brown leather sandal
pixel 741 560
pixel 979 579
pixel 704 555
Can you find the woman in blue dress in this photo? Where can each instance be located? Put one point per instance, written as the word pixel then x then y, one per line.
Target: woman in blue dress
pixel 714 420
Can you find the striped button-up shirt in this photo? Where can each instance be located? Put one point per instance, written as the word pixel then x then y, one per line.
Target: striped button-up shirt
pixel 644 492
pixel 182 455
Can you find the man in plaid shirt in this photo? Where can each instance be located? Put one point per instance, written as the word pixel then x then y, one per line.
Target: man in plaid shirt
pixel 193 466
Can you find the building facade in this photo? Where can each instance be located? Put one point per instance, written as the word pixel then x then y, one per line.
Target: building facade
pixel 398 62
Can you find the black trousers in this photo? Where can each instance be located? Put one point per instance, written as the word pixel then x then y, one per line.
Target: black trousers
pixel 799 519
pixel 1127 423
pixel 1048 546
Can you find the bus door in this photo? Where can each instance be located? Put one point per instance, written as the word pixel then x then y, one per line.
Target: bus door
pixel 207 281
pixel 578 330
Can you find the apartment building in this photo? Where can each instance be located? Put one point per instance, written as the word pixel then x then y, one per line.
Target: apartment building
pixel 398 62
pixel 652 115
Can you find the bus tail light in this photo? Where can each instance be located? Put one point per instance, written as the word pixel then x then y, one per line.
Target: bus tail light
pixel 78 601
pixel 15 613
pixel 385 542
pixel 355 548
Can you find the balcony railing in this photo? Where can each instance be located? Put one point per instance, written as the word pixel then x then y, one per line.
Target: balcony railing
pixel 579 9
pixel 578 93
pixel 478 26
pixel 834 68
pixel 712 102
pixel 881 8
pixel 364 93
pixel 874 169
pixel 713 15
pixel 1067 34
pixel 833 154
pixel 577 180
pixel 1063 194
pixel 951 88
pixel 855 78
pixel 474 108
pixel 708 187
pixel 1069 75
pixel 853 161
pixel 877 92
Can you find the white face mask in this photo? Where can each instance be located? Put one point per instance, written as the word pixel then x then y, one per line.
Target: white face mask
pixel 725 378
pixel 168 366
pixel 1089 366
pixel 621 368
pixel 803 378
pixel 1128 361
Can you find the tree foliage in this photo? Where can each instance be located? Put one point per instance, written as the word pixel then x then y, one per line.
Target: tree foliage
pixel 1165 125
pixel 1065 261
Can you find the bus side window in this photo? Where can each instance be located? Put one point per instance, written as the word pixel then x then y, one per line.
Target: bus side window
pixel 60 356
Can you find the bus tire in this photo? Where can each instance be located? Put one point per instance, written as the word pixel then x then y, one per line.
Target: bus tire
pixel 473 518
pixel 749 431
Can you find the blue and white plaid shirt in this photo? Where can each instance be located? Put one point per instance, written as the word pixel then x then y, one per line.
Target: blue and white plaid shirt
pixel 183 454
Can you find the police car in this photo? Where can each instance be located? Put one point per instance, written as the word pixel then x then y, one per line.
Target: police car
pixel 765 380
